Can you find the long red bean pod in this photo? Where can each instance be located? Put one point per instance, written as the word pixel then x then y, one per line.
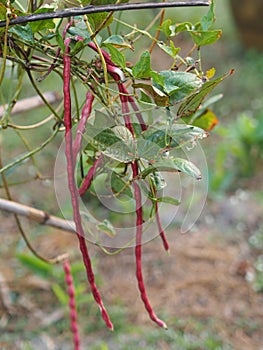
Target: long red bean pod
pixel 72 305
pixel 89 177
pixel 73 188
pixel 139 221
pixel 86 110
pixel 124 97
pixel 138 249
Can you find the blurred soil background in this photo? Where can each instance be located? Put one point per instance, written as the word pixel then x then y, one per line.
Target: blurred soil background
pixel 209 290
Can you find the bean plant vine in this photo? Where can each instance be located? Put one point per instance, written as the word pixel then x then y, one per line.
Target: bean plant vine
pixel 111 133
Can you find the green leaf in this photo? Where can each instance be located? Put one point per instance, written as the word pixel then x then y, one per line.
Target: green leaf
pixel 98 18
pixel 157 78
pixel 43 24
pixel 207 120
pixel 158 180
pixel 179 135
pixel 180 27
pixel 178 85
pixel 36 265
pixel 168 200
pixel 142 69
pixel 158 96
pixel 60 294
pixel 165 27
pixel 187 167
pixel 173 165
pixel 145 98
pixel 117 41
pixel 118 185
pixel 202 37
pixel 170 50
pixel 148 150
pixel 208 20
pixel 60 41
pixel 23 32
pixel 116 142
pixel 2 14
pixel 192 103
pixel 124 134
pixel 102 120
pixel 107 228
pixel 117 57
pixel 82 32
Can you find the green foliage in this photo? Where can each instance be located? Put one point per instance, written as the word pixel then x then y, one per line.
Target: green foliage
pixel 44 24
pixel 142 69
pixel 37 266
pixel 55 275
pixel 177 85
pixel 240 153
pixel 23 33
pixel 200 32
pixel 192 104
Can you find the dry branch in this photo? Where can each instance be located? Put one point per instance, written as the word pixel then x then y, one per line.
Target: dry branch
pixel 37 215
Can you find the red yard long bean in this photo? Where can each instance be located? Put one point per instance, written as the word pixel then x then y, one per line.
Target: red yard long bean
pixel 72 305
pixel 138 249
pixel 139 220
pixel 87 108
pixel 89 177
pixel 73 188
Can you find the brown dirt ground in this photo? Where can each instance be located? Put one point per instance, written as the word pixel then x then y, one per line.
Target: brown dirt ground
pixel 203 278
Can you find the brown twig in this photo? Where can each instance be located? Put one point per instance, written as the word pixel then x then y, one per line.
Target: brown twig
pixel 37 215
pixel 158 31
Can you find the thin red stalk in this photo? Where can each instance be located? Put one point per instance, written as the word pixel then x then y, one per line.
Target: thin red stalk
pixel 138 114
pixel 57 53
pixel 72 304
pixel 125 109
pixel 82 123
pixel 73 188
pixel 138 249
pixel 160 228
pixel 105 54
pixel 89 177
pixel 112 69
